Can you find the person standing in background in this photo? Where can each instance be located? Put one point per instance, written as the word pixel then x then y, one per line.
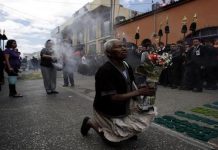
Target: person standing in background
pixel 68 64
pixel 12 62
pixel 1 68
pixel 49 72
pixel 34 62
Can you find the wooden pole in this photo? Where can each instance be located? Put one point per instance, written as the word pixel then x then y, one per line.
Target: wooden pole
pixel 166 38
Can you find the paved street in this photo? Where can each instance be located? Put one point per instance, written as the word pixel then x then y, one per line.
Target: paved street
pixel 40 121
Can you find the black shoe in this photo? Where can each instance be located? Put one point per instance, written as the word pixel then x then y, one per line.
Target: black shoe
pixel 65 85
pixel 185 88
pixel 54 92
pixel 197 90
pixel 49 93
pixel 85 127
pixel 173 87
pixel 135 137
pixel 211 88
pixel 16 95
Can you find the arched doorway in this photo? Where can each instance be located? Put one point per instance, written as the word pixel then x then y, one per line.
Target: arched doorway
pixel 209 33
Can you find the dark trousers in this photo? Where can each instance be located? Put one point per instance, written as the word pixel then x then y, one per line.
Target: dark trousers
pixel 165 77
pixel 210 76
pixel 68 76
pixel 193 76
pixel 12 87
pixel 12 90
pixel 176 74
pixel 1 75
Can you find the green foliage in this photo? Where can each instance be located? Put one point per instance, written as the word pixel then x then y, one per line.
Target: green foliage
pixel 191 129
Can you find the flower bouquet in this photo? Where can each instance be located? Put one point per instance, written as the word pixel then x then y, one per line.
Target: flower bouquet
pixel 151 70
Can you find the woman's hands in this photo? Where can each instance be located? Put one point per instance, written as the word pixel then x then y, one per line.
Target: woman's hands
pixel 54 58
pixel 142 91
pixel 11 69
pixel 146 91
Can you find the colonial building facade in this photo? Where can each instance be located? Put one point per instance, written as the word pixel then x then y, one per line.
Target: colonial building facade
pixel 91 25
pixel 176 14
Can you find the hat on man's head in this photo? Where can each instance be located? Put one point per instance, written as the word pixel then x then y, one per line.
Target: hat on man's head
pixel 196 38
pixel 146 42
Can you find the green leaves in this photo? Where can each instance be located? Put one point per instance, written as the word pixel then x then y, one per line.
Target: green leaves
pixel 206 111
pixel 192 129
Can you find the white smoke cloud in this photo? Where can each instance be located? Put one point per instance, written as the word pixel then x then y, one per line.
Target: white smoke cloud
pixel 34 20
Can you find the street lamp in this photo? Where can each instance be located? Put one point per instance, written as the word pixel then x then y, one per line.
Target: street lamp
pixel 124 39
pixel 160 32
pixel 137 36
pixel 193 25
pixel 167 29
pixel 184 27
pixel 1 37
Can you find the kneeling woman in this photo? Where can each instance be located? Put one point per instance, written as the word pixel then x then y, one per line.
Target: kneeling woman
pixel 114 117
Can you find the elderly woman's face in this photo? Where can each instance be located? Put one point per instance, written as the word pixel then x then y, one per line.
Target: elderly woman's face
pixel 119 51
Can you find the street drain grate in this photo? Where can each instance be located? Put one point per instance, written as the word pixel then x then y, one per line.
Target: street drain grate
pixel 191 129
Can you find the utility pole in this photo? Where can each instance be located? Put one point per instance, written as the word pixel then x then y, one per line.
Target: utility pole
pixel 111 17
pixel 154 19
pixel 112 14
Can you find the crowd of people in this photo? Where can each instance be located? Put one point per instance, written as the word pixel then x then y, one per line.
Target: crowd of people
pixel 193 66
pixel 30 64
pixel 117 116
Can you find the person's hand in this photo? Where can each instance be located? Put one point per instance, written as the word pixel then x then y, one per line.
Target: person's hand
pixel 146 91
pixel 54 58
pixel 11 69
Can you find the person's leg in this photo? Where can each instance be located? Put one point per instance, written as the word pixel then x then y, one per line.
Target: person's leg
pixel 187 81
pixel 65 76
pixel 211 78
pixel 11 81
pixel 71 76
pixel 11 90
pixel 197 79
pixel 53 73
pixel 1 75
pixel 87 124
pixel 90 123
pixel 46 78
pixel 12 87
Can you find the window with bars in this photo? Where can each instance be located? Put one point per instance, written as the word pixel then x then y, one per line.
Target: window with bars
pixel 92 32
pixel 105 28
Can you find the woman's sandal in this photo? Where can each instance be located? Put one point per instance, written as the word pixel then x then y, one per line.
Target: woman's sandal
pixel 18 95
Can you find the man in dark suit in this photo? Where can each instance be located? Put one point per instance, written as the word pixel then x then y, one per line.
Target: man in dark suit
pixel 194 63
